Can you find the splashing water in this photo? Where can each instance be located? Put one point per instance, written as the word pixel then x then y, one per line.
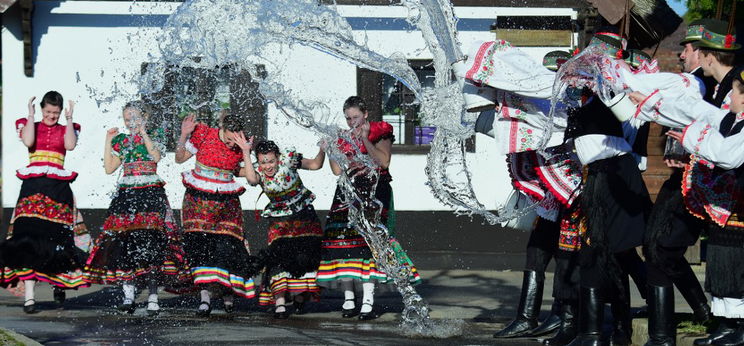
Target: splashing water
pixel 246 34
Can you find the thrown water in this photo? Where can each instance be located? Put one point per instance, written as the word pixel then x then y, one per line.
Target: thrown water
pixel 248 34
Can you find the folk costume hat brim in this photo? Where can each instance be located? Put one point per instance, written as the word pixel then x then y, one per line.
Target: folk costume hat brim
pixel 610 43
pixel 636 57
pixel 716 37
pixel 554 59
pixel 695 30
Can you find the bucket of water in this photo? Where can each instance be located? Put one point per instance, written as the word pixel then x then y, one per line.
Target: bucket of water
pixel 622 107
pixel 516 201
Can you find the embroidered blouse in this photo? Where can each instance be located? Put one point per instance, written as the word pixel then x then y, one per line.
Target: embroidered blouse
pixel 139 169
pixel 287 195
pixel 47 155
pixel 216 163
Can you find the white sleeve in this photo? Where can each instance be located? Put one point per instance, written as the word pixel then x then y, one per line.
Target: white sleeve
pixel 704 140
pixel 190 147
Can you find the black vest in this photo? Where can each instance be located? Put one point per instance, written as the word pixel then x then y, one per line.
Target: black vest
pixel 724 87
pixel 594 118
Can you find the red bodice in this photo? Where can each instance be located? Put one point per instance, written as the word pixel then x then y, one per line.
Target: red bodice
pixel 212 151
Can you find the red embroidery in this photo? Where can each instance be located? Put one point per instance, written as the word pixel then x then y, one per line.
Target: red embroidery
pixel 292 229
pixel 128 222
pixel 43 207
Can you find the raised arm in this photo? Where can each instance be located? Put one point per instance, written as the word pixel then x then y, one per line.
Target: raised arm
pixel 28 132
pixel 666 108
pixel 315 163
pixel 380 152
pixel 70 135
pixel 335 167
pixel 110 161
pixel 187 127
pixel 247 171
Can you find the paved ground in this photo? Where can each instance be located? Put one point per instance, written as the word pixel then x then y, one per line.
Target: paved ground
pixel 483 300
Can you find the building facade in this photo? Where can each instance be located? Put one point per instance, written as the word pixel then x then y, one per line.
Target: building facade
pixel 93 51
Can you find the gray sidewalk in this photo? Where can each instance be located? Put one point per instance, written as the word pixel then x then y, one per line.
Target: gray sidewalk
pixel 485 300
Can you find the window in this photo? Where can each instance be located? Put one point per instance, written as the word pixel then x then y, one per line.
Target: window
pixel 535 31
pixel 211 94
pixel 391 101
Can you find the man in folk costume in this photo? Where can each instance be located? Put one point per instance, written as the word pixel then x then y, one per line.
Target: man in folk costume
pixel 717 53
pixel 711 183
pixel 615 204
pixel 671 228
pixel 518 123
pixel 544 237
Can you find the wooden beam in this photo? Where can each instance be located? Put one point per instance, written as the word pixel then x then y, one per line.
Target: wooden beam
pixel 27 9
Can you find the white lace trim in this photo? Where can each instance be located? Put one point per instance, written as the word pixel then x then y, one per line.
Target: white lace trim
pixel 209 186
pixel 37 170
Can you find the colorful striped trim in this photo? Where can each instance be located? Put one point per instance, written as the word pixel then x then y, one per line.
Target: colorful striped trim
pixel 51 157
pixel 282 283
pixel 364 270
pixel 63 280
pixel 108 276
pixel 239 285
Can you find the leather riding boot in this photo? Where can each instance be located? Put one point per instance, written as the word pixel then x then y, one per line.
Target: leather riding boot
pixel 551 323
pixel 661 327
pixel 689 286
pixel 567 329
pixel 591 317
pixel 622 319
pixel 529 306
pixel 734 339
pixel 725 327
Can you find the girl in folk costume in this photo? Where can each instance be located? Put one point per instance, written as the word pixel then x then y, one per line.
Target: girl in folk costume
pixel 139 243
pixel 215 247
pixel 347 260
pixel 42 245
pixel 295 234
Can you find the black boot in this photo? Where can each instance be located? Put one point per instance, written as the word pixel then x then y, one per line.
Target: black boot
pixel 551 323
pixel 689 286
pixel 622 319
pixel 529 306
pixel 725 327
pixel 567 329
pixel 623 324
pixel 734 339
pixel 591 317
pixel 661 327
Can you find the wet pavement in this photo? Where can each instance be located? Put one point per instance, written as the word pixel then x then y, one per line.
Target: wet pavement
pixel 484 300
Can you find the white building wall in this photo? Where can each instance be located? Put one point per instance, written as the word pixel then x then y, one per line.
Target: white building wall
pixel 91 59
